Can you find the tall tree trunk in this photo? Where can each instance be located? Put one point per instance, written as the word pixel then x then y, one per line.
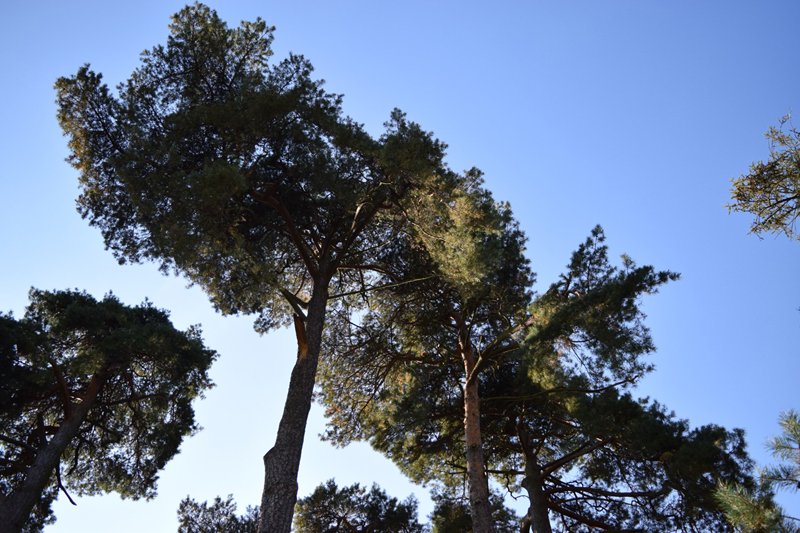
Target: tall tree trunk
pixel 282 462
pixel 537 519
pixel 16 508
pixel 480 506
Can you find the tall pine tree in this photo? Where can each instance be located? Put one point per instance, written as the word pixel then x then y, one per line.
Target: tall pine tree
pixel 246 179
pixel 456 288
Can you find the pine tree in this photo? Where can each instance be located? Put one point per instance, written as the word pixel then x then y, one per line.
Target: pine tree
pixel 553 422
pixel 353 509
pixel 245 178
pixel 95 397
pixel 218 517
pixel 456 289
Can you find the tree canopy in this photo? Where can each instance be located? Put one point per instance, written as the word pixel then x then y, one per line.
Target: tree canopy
pixel 554 424
pixel 353 509
pixel 245 178
pixel 452 513
pixel 218 517
pixel 456 288
pixel 95 397
pixel 771 190
pixel 560 428
pixel 328 509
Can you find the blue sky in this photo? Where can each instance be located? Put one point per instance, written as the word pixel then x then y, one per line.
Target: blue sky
pixel 633 115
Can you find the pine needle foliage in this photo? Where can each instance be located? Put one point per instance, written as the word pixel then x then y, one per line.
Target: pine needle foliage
pixel 771 190
pixel 549 400
pixel 217 517
pixel 353 509
pixel 752 509
pixel 245 177
pixel 95 397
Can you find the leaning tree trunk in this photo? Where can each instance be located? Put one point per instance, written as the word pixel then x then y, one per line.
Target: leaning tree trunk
pixel 282 462
pixel 480 506
pixel 16 508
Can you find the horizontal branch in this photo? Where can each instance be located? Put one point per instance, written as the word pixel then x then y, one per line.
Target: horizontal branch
pixel 611 494
pixel 582 519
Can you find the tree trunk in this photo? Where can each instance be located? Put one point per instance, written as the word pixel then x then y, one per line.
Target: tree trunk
pixel 537 519
pixel 282 462
pixel 16 508
pixel 478 483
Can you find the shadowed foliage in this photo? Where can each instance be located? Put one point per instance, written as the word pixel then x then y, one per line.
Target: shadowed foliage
pixel 219 517
pixel 457 286
pixel 353 509
pixel 95 397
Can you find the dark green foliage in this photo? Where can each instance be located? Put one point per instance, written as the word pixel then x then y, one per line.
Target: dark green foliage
pixel 416 344
pixel 330 509
pixel 240 175
pixel 245 178
pixel 451 514
pixel 456 285
pixel 588 455
pixel 219 517
pixel 605 460
pixel 120 378
pixel 382 337
pixel 166 166
pixel 771 191
pixel 550 406
pixel 590 320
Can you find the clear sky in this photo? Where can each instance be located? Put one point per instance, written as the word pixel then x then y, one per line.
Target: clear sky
pixel 630 114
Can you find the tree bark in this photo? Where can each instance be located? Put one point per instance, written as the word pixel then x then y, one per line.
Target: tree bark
pixel 16 508
pixel 537 519
pixel 282 462
pixel 480 506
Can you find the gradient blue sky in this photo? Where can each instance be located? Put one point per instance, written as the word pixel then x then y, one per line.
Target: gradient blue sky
pixel 633 115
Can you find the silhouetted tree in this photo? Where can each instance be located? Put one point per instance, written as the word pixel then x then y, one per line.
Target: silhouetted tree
pixel 219 517
pixel 95 397
pixel 353 509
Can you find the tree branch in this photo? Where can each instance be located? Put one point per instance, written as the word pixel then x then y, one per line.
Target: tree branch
pixel 62 385
pixel 270 200
pixel 611 494
pixel 61 485
pixel 583 450
pixel 582 519
pixel 555 390
pixel 16 442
